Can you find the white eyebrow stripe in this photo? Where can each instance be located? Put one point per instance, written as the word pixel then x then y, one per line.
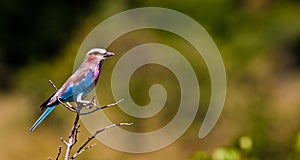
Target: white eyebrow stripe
pixel 100 50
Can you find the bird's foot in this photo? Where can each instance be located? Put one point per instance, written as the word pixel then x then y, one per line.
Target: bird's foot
pixel 102 107
pixel 85 104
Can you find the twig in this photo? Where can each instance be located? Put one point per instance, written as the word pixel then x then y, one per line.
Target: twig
pixel 72 140
pixel 53 85
pixel 83 148
pixel 86 148
pixel 102 107
pixel 67 105
pixel 81 103
pixel 72 137
pixel 59 152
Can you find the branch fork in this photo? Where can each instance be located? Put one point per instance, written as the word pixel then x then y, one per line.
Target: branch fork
pixel 72 139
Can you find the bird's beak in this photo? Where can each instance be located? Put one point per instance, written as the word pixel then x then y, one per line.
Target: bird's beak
pixel 108 54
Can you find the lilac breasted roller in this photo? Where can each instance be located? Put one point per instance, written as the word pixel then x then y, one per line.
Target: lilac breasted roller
pixel 80 83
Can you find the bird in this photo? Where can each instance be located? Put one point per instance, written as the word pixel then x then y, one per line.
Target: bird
pixel 80 83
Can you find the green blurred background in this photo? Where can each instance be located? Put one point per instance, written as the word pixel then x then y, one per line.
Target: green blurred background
pixel 259 41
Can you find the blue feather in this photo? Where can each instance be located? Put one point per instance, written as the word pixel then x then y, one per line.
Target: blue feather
pixel 79 83
pixel 42 117
pixel 85 85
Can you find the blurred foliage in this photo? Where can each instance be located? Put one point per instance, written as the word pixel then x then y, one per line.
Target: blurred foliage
pixel 34 31
pixel 259 41
pixel 242 151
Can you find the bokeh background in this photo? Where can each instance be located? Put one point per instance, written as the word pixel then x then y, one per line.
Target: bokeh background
pixel 259 41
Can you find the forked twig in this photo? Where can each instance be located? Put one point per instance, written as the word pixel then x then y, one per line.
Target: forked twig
pixel 86 148
pixel 67 105
pixel 75 128
pixel 72 137
pixel 102 107
pixel 83 148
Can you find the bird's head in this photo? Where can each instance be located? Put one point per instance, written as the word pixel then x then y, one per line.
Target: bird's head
pixel 100 53
pixel 96 55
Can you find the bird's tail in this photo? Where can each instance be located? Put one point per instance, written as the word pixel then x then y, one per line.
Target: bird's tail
pixel 42 117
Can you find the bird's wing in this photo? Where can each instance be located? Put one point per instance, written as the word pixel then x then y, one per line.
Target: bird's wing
pixel 79 82
pixel 82 81
pixel 45 104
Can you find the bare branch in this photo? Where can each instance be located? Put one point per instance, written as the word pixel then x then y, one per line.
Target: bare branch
pixel 72 137
pixel 110 126
pixel 65 142
pixel 75 134
pixel 59 152
pixel 102 107
pixel 83 148
pixel 86 148
pixel 53 85
pixel 81 103
pixel 67 105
